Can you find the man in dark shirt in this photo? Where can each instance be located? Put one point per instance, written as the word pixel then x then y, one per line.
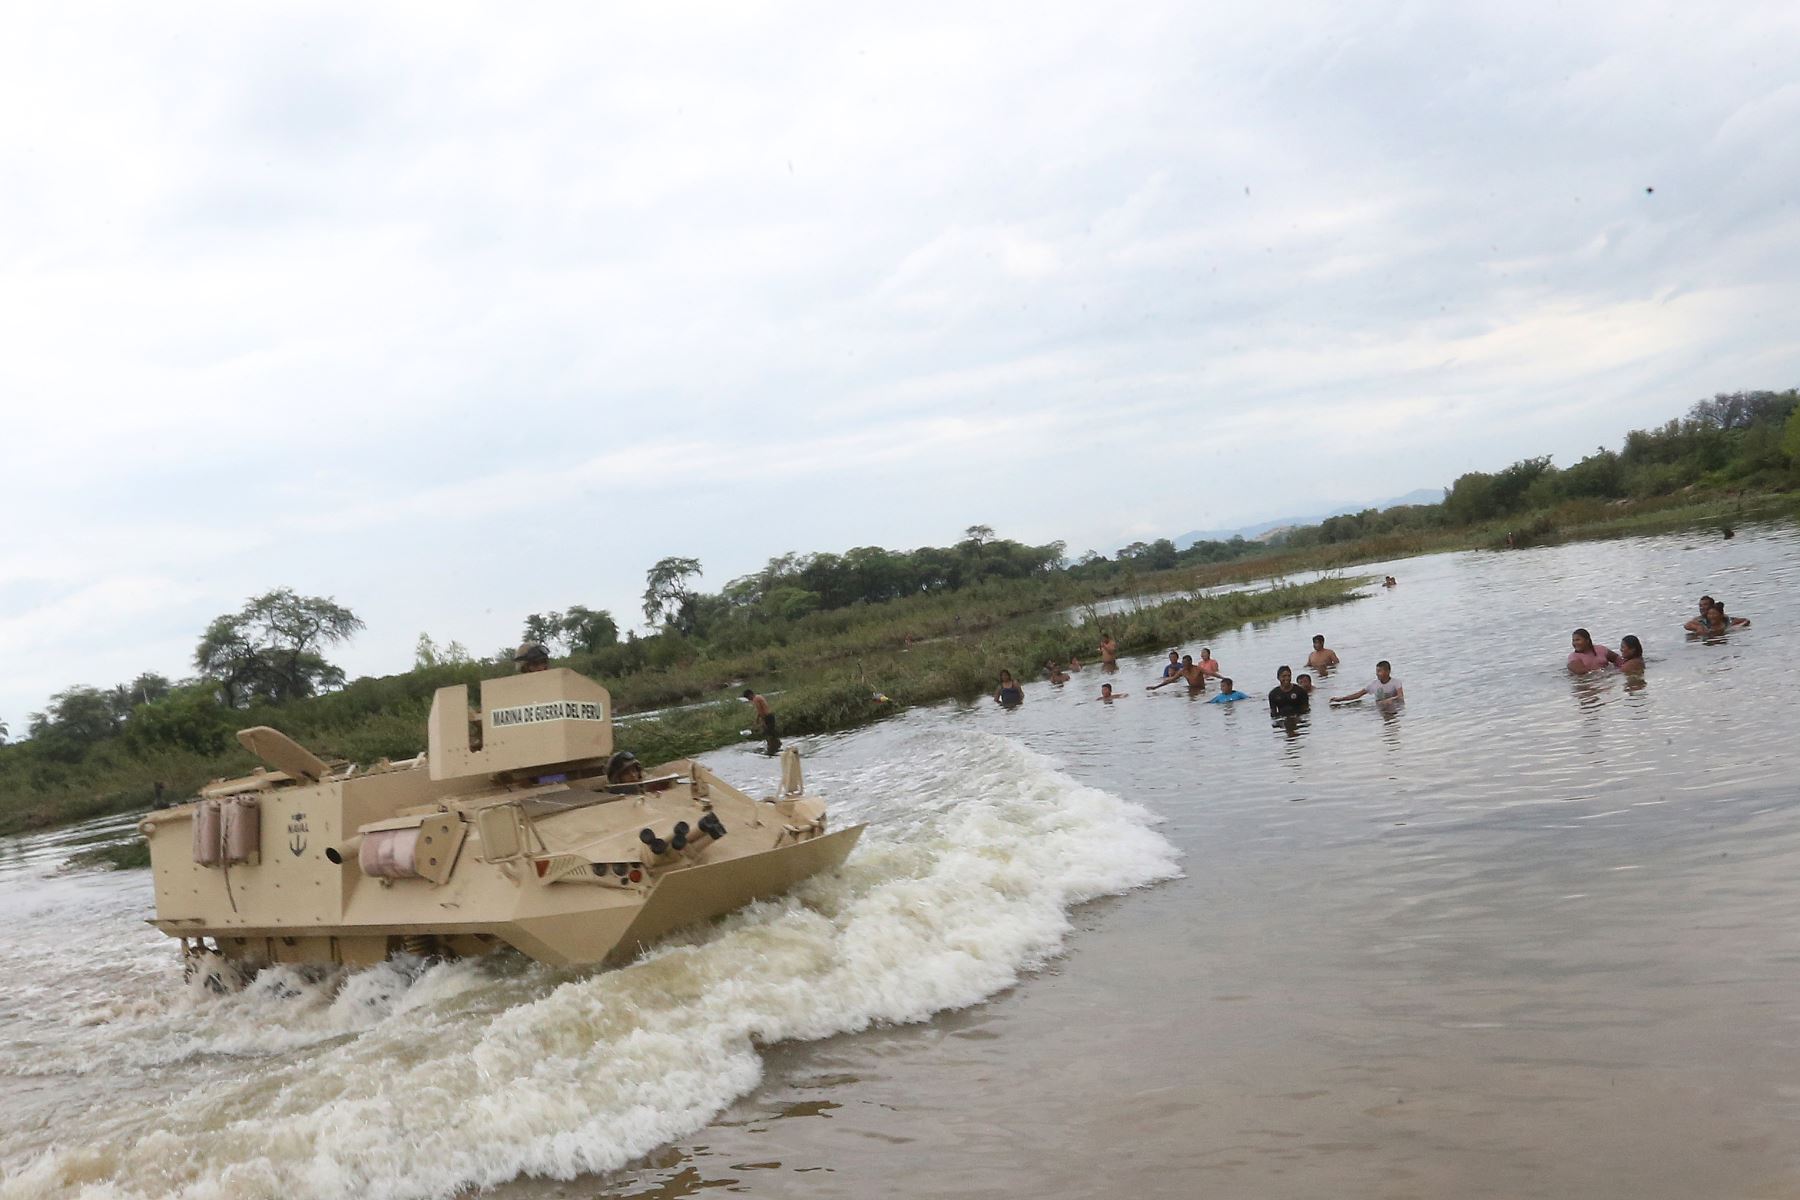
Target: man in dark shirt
pixel 1288 699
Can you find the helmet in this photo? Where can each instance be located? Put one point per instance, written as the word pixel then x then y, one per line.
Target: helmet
pixel 531 652
pixel 615 766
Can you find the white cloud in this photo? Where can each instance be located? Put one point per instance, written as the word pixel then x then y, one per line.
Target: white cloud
pixel 456 317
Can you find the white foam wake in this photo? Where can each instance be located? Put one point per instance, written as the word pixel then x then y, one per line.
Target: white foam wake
pixel 466 1076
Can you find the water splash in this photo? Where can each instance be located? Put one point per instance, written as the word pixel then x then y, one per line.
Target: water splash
pixel 413 1081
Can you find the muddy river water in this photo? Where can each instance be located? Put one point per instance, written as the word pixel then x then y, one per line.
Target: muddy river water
pixel 1528 935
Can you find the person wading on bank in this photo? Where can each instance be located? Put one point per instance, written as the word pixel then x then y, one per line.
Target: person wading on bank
pixel 765 720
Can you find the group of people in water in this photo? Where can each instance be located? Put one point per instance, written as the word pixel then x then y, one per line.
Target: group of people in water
pixel 1292 694
pixel 1290 697
pixel 1587 655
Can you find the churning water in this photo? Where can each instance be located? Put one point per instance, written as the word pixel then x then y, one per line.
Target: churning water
pixel 406 1080
pixel 1526 935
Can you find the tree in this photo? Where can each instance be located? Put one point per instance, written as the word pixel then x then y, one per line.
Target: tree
pixel 76 718
pixel 588 629
pixel 666 594
pixel 82 714
pixel 790 603
pixel 269 650
pixel 2 733
pixel 189 718
pixel 427 653
pixel 1790 439
pixel 147 688
pixel 1511 485
pixel 1471 498
pixel 543 627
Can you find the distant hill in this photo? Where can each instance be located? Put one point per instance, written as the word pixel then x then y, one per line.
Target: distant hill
pixel 1279 524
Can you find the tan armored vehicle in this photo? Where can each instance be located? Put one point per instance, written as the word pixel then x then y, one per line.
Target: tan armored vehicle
pixel 506 831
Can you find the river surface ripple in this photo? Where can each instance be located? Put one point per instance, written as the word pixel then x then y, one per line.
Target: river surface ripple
pixel 1529 935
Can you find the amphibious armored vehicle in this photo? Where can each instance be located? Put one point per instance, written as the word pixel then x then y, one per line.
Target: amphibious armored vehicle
pixel 505 831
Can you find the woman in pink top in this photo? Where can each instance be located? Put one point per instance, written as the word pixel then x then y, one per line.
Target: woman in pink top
pixel 1208 664
pixel 1587 656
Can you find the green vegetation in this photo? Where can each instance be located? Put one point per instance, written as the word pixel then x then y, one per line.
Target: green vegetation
pixel 1730 445
pixel 841 639
pixel 825 670
pixel 117 856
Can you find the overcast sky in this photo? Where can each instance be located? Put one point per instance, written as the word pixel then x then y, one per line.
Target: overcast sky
pixel 459 312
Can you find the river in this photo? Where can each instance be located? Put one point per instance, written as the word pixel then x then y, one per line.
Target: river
pixel 1527 935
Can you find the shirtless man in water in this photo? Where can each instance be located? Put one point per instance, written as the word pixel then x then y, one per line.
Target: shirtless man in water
pixel 1188 672
pixel 1321 659
pixel 1109 651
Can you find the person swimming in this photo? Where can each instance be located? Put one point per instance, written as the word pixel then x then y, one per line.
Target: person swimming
pixel 1208 664
pixel 1174 664
pixel 1585 656
pixel 1322 658
pixel 1109 652
pixel 1009 694
pixel 1631 653
pixel 1716 621
pixel 1385 688
pixel 1227 693
pixel 1108 695
pixel 1188 672
pixel 1700 623
pixel 1304 680
pixel 1074 664
pixel 1055 672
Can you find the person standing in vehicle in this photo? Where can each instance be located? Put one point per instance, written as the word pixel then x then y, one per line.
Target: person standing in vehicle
pixel 532 657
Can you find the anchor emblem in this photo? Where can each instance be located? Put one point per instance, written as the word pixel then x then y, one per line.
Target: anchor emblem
pixel 297 834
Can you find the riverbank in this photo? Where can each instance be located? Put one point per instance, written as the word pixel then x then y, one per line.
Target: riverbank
pixel 859 667
pixel 1574 521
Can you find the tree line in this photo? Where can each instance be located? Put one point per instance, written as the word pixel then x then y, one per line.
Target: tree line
pixel 271 652
pixel 1736 441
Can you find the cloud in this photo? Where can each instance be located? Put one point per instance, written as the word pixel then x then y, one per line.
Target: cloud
pixel 457 317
